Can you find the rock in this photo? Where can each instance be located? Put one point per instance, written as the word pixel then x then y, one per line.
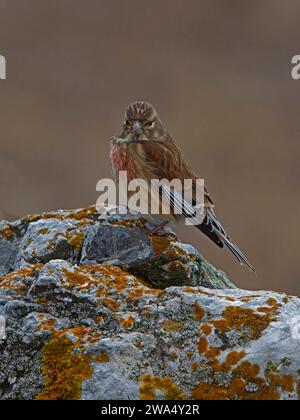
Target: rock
pixel 95 310
pixel 10 237
pixel 106 242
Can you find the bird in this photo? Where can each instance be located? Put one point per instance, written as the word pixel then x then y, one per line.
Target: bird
pixel 145 150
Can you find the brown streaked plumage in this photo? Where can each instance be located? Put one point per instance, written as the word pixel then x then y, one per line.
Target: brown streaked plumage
pixel 145 150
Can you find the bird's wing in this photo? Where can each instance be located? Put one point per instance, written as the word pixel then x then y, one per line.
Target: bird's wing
pixel 167 162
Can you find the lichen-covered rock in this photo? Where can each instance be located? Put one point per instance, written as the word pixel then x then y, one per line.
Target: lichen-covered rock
pixel 129 318
pixel 84 237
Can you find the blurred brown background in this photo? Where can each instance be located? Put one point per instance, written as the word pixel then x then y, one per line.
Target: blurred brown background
pixel 219 72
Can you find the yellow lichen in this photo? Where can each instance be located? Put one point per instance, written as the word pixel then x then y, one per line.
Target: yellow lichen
pixel 138 345
pixel 43 231
pixel 103 357
pixel 7 232
pixel 81 215
pixel 63 370
pixel 160 244
pixel 151 384
pixel 75 239
pixel 173 326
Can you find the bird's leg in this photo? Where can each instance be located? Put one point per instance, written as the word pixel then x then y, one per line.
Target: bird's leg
pixel 158 228
pixel 157 231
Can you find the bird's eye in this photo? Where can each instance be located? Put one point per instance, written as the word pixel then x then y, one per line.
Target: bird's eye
pixel 150 124
pixel 126 123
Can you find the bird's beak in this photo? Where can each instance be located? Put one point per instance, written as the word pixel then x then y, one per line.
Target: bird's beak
pixel 136 127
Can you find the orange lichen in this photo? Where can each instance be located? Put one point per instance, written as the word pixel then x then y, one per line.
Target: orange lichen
pixel 264 309
pixel 212 352
pixel 75 278
pixel 272 302
pixel 110 284
pixel 209 392
pixel 207 329
pixel 245 384
pixel 42 300
pixel 99 319
pixel 247 370
pixel 199 312
pixel 189 289
pixel 239 318
pixel 195 366
pixel 135 293
pixel 203 345
pixel 48 325
pixel 112 304
pixel 235 357
pixel 10 280
pixel 84 335
pixel 167 247
pixel 127 322
pixel 221 325
pixel 151 384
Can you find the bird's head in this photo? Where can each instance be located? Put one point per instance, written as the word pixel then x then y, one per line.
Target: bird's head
pixel 142 124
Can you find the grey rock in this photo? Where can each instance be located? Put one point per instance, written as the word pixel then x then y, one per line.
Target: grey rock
pixel 115 242
pixel 9 243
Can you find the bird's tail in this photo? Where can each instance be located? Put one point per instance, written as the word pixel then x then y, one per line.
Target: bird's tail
pixel 212 228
